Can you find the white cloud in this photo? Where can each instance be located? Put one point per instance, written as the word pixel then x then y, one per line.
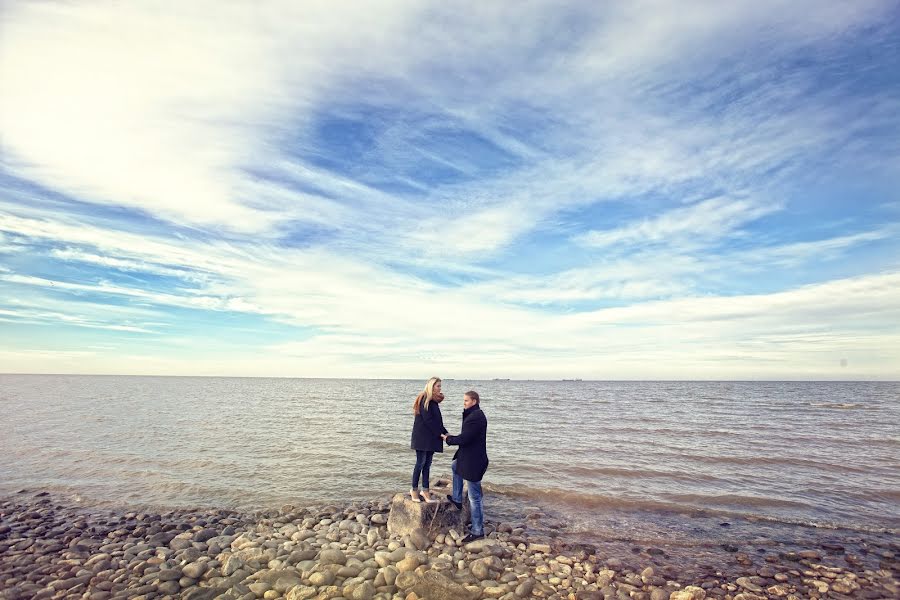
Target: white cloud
pixel 72 254
pixel 174 113
pixel 188 300
pixel 681 264
pixel 368 320
pixel 797 253
pixel 29 316
pixel 711 219
pixel 164 110
pixel 111 115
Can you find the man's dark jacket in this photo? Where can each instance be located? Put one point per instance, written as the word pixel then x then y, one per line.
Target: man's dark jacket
pixel 471 457
pixel 427 429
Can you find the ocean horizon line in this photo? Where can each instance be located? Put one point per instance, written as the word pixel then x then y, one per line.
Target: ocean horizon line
pixel 484 379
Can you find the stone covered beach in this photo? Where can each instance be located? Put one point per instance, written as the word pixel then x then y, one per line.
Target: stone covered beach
pixel 54 548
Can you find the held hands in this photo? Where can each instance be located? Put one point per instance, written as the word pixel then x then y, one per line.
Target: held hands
pixel 444 436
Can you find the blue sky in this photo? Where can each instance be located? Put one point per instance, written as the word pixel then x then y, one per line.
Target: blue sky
pixel 638 190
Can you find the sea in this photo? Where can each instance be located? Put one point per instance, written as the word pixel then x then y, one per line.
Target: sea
pixel 675 464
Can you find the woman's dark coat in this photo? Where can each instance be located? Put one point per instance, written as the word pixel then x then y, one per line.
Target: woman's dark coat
pixel 471 457
pixel 427 428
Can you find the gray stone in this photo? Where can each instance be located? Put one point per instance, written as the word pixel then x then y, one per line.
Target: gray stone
pixel 372 537
pixel 480 570
pixel 390 574
pixel 332 556
pixel 406 580
pixel 194 570
pixel 321 578
pixel 259 588
pixel 349 571
pixel 199 593
pixel 659 594
pixel 205 534
pixel 168 588
pixel 524 589
pixel 689 593
pixel 406 516
pixel 435 586
pixel 161 539
pixel 301 592
pixel 301 555
pixel 479 545
pixel 419 539
pixel 189 554
pixel 285 581
pixel 169 575
pixel 180 544
pixel 408 564
pixel 364 591
pixel 231 564
pixel 399 554
pixel 745 583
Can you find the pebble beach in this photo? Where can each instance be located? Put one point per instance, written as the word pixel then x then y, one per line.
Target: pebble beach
pixel 51 547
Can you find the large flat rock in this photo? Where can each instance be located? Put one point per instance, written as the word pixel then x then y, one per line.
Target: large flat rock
pixel 407 516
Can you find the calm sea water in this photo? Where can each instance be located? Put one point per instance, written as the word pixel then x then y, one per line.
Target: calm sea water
pixel 780 452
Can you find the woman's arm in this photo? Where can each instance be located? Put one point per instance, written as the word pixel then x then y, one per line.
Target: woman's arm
pixel 433 422
pixel 440 419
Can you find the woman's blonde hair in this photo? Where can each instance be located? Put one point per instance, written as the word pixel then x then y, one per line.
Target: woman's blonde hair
pixel 426 395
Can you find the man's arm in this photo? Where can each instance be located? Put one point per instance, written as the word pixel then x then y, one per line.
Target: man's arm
pixel 470 432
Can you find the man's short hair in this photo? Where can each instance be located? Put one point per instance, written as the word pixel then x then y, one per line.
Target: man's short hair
pixel 474 396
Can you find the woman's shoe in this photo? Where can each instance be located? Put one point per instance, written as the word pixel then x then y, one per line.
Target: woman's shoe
pixel 415 496
pixel 429 499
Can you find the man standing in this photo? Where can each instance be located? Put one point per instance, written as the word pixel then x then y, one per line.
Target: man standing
pixel 470 462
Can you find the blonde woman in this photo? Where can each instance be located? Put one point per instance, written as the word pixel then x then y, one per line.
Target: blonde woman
pixel 428 427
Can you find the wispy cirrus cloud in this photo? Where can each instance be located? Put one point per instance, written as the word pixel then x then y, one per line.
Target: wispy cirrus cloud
pixel 704 221
pixel 41 318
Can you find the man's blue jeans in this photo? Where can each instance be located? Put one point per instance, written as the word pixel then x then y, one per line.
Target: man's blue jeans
pixel 474 499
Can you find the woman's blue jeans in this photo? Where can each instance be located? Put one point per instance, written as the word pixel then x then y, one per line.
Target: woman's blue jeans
pixel 474 499
pixel 423 468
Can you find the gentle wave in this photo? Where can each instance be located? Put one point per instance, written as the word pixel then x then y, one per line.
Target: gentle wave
pixel 694 505
pixel 838 405
pixel 634 473
pixel 578 499
pixel 734 500
pixel 774 461
pixel 674 502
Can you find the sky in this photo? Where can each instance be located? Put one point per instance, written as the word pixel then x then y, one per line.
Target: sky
pixel 537 190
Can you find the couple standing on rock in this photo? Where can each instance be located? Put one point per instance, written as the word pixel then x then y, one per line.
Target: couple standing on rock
pixel 470 461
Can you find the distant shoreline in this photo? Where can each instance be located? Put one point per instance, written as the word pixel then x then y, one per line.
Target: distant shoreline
pixel 484 380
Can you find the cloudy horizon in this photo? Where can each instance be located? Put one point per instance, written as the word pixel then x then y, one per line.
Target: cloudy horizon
pixel 641 190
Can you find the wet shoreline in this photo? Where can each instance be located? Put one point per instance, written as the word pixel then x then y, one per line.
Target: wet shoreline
pixel 51 547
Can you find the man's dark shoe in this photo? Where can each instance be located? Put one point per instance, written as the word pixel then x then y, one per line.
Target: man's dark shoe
pixel 471 538
pixel 458 505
